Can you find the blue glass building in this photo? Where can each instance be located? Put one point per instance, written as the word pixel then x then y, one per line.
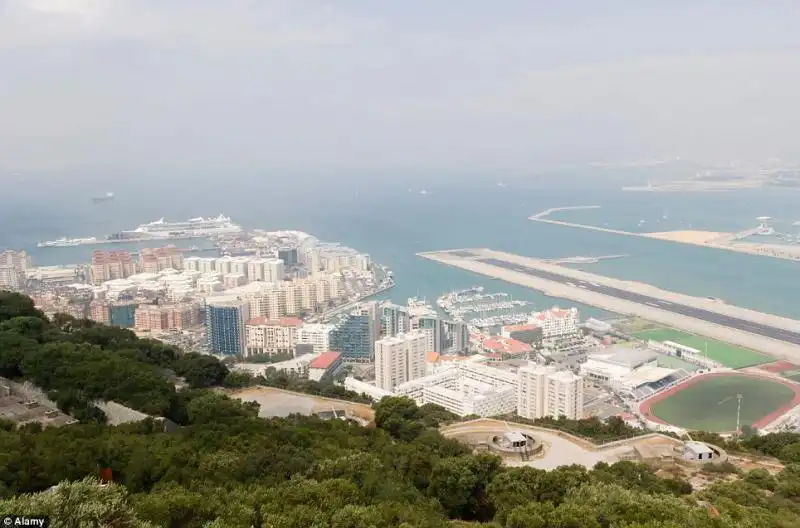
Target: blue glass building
pixel 123 315
pixel 353 336
pixel 225 320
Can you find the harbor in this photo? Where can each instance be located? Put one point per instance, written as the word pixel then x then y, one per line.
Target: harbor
pixel 481 310
pixel 767 333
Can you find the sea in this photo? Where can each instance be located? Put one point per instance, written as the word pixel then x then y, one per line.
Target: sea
pixel 393 220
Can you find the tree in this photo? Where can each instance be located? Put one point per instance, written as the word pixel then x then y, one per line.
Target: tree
pixel 17 305
pixel 84 503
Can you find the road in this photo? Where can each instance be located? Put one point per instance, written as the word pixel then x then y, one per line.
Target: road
pixel 752 327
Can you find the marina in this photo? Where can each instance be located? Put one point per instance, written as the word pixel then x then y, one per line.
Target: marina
pixel 483 310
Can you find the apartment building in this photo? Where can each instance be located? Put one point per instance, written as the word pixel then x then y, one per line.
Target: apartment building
pixel 546 391
pixel 400 359
pixel 271 336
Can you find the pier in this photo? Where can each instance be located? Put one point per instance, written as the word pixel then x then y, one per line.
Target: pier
pixel 771 334
pixel 726 241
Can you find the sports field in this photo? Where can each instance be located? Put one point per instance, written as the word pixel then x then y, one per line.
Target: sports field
pixel 709 402
pixel 729 355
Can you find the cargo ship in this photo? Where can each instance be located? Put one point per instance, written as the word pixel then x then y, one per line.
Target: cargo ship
pixel 107 197
pixel 158 230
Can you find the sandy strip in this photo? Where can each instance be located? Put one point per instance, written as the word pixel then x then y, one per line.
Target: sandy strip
pixel 688 237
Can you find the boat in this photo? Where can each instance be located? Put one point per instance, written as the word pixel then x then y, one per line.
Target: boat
pixel 107 197
pixel 194 227
pixel 67 242
pixel 159 230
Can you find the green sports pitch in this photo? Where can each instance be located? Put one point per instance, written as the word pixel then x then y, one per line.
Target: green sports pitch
pixel 710 403
pixel 729 355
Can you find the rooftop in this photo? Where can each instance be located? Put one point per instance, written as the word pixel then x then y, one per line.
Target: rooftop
pixel 504 345
pixel 521 327
pixel 283 321
pixel 625 357
pixel 555 312
pixel 325 360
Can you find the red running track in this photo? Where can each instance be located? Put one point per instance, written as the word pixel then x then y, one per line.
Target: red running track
pixel 778 366
pixel 645 408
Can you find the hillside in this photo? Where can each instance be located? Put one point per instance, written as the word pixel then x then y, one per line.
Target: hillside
pixel 225 467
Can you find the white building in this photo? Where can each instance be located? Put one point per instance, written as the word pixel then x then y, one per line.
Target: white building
pixel 556 323
pixel 400 359
pixel 546 391
pixel 13 265
pixel 317 335
pixel 464 388
pixel 271 336
pixel 362 387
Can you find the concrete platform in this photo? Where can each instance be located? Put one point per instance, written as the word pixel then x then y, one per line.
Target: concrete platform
pixel 771 334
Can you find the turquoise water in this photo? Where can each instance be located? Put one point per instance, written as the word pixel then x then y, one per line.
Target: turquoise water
pixel 393 224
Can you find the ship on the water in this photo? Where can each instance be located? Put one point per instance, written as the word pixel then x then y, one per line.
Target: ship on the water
pixel 107 197
pixel 159 230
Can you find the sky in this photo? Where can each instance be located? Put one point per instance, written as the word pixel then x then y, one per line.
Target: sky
pixel 306 85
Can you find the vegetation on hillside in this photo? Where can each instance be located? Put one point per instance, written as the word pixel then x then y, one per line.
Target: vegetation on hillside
pixel 228 468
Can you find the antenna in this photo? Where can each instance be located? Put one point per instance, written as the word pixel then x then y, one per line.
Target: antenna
pixel 738 415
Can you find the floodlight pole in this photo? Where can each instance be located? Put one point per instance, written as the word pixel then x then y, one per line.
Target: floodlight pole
pixel 738 415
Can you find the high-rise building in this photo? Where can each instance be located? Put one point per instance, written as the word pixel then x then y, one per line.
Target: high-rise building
pixel 11 278
pixel 546 391
pixel 123 314
pixel 400 359
pixel 13 265
pixel 271 336
pixel 354 337
pixel 288 256
pixel 109 265
pixel 99 312
pixel 225 325
pixel 155 260
pixel 455 336
pixel 155 317
pixel 15 259
pixel 394 319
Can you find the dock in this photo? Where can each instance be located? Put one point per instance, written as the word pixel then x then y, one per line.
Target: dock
pixel 771 334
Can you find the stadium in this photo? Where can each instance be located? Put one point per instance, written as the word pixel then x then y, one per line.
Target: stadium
pixel 716 401
pixel 632 373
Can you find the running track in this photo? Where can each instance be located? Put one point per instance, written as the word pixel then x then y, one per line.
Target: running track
pixel 646 406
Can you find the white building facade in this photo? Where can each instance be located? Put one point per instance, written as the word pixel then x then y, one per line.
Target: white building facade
pixel 545 391
pixel 400 359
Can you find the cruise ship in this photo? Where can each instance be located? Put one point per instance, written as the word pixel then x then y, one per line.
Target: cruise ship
pixel 159 230
pixel 194 227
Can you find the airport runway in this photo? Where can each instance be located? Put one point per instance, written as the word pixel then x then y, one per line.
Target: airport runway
pixel 691 311
pixel 771 334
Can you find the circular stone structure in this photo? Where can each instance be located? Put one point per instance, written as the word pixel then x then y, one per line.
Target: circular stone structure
pixel 709 402
pixel 514 442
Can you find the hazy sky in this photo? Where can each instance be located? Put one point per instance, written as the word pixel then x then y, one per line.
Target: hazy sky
pixel 304 84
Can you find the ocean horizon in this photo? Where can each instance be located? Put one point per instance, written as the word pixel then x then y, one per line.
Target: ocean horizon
pixel 395 222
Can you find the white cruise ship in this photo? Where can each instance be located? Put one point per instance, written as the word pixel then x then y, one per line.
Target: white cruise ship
pixel 194 227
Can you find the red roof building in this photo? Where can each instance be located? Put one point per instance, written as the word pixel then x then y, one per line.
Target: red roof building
pixel 505 345
pixel 326 364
